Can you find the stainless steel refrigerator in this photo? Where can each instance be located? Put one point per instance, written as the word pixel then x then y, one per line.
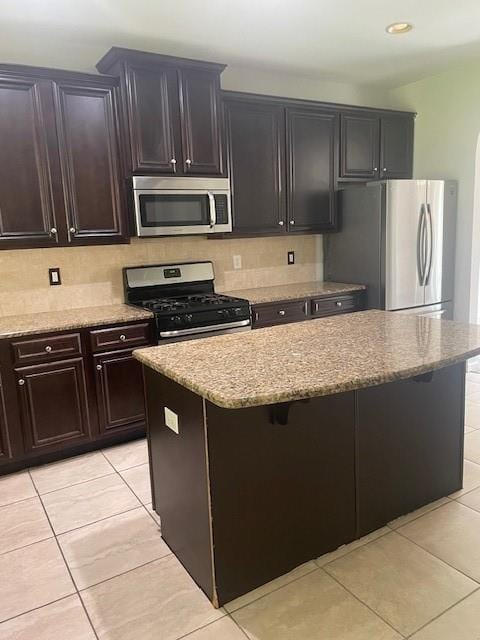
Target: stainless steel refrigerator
pixel 398 238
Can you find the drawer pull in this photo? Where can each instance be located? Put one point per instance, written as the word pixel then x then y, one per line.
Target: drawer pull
pixel 281 312
pixel 123 337
pixel 316 307
pixel 48 348
pixel 21 382
pixel 98 367
pixel 338 303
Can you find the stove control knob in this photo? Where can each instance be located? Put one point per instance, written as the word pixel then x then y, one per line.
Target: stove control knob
pixel 237 311
pixel 177 320
pixel 223 313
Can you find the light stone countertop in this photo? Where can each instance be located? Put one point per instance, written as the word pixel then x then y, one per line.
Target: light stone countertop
pixel 49 321
pixel 312 358
pixel 277 293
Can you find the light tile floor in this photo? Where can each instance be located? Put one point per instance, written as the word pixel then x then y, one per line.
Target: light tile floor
pixel 81 558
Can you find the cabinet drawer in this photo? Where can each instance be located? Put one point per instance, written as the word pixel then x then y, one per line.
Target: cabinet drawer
pixel 47 348
pixel 265 315
pixel 338 304
pixel 120 337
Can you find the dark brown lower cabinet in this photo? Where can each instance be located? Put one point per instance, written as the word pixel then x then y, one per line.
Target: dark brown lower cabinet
pixel 120 394
pixel 410 444
pixel 59 397
pixel 54 407
pixel 247 494
pixel 6 452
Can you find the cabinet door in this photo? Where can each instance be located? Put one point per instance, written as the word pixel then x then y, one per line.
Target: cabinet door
pixel 152 102
pixel 396 147
pixel 256 144
pixel 359 146
pixel 311 157
pixel 120 392
pixel 6 452
pixel 201 122
pixel 89 157
pixel 27 215
pixel 54 409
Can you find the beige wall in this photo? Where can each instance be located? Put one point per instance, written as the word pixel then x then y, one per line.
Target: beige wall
pixel 446 134
pixel 93 275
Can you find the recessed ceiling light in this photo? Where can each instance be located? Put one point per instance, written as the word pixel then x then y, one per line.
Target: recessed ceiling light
pixel 399 27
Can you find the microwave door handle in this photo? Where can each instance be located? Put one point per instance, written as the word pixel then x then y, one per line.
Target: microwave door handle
pixel 213 213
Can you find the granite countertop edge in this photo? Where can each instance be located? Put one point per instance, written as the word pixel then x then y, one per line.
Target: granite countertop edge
pixel 294 291
pixel 313 392
pixel 51 321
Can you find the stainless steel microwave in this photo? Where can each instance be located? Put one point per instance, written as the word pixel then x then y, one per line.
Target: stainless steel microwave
pixel 181 206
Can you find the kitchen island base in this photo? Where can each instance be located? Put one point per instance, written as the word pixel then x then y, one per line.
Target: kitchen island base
pixel 245 495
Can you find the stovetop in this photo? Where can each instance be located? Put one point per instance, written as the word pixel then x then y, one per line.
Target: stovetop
pixel 191 303
pixel 183 299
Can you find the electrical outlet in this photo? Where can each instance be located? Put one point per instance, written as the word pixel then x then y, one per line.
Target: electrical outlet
pixel 54 276
pixel 237 262
pixel 291 257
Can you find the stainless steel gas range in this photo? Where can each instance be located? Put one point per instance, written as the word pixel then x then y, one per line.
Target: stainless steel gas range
pixel 183 300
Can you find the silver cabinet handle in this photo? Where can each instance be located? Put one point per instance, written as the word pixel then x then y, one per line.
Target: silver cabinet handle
pixel 48 348
pixel 281 223
pixel 53 231
pixel 21 382
pixel 173 162
pixel 98 367
pixel 292 221
pixel 281 312
pixel 188 162
pixel 384 169
pixel 72 230
pixel 375 168
pixel 123 337
pixel 338 303
pixel 316 307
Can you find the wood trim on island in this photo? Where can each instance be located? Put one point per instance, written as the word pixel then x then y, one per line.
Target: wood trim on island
pixel 261 490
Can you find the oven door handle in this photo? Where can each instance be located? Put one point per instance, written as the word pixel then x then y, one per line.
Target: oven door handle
pixel 213 212
pixel 212 327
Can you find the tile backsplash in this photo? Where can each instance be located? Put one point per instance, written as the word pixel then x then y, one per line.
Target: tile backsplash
pixel 93 275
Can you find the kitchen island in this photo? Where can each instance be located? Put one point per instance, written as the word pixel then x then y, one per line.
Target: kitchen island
pixel 272 447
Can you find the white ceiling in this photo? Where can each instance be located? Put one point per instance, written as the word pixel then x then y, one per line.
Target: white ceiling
pixel 342 40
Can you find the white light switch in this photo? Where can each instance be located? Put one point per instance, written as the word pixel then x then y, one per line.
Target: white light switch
pixel 171 419
pixel 237 262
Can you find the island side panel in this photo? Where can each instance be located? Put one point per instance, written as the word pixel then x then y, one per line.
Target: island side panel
pixel 282 494
pixel 179 475
pixel 410 438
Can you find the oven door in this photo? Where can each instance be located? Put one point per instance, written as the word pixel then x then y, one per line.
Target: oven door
pixel 181 212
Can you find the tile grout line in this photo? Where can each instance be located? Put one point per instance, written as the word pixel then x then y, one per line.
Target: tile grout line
pixel 209 624
pixel 438 558
pixel 264 595
pixel 443 612
pixel 66 564
pixel 347 553
pixel 439 506
pixel 42 606
pixel 25 546
pixel 74 484
pixel 375 613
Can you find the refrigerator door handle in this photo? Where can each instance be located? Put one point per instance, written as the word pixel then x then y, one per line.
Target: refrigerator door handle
pixel 421 246
pixel 428 271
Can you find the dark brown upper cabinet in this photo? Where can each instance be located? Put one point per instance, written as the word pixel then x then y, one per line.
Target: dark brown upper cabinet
pixel 256 143
pixel 89 160
pixel 311 162
pixel 27 211
pixel 170 112
pixel 60 179
pixel 396 156
pixel 375 145
pixel 359 146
